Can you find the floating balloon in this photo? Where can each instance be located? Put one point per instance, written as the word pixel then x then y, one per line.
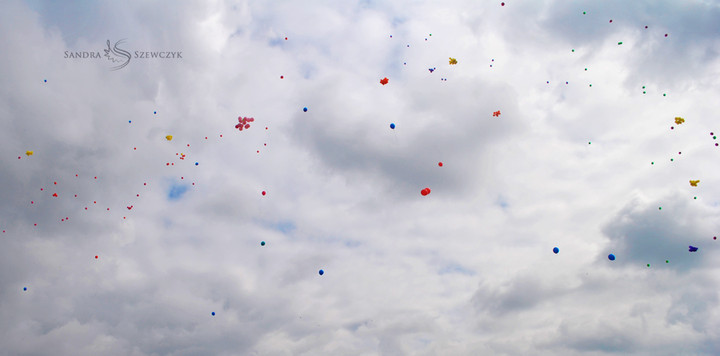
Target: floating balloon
pixel 425 191
pixel 556 250
pixel 679 120
pixel 29 153
pixel 321 272
pixel 496 113
pixel 213 313
pixel 453 60
pixel 693 183
pixel 263 192
pixel 24 288
pixel 611 257
pixel 305 109
pixel 392 126
pixel 262 243
pixel 440 164
pixel 243 122
pixel 384 81
pixel 692 248
pixel 169 137
pixel 431 69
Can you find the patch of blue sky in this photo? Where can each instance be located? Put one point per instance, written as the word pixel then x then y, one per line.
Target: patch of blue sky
pixel 455 268
pixel 177 191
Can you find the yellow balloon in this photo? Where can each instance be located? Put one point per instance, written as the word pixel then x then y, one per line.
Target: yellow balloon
pixel 453 60
pixel 679 120
pixel 694 183
pixel 169 137
pixel 29 153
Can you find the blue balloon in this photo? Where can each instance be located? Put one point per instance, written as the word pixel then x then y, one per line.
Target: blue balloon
pixel 305 109
pixel 262 243
pixel 692 248
pixel 556 250
pixel 196 163
pixel 321 272
pixel 24 288
pixel 392 126
pixel 611 257
pixel 213 313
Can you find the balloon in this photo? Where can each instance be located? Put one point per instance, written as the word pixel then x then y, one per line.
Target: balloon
pixel 196 163
pixel 213 313
pixel 243 122
pixel 619 43
pixel 453 60
pixel 169 137
pixel 262 243
pixel 96 257
pixel 305 109
pixel 693 183
pixel 321 272
pixel 496 113
pixel 263 192
pixel 29 153
pixel 24 288
pixel 55 195
pixel 440 164
pixel 392 126
pixel 556 250
pixel 679 120
pixel 431 69
pixel 425 191
pixel 692 248
pixel 611 257
pixel 384 81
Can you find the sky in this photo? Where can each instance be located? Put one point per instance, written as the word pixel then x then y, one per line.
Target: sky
pixel 154 246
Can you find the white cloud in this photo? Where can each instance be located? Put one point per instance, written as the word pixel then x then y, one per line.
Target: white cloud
pixel 466 270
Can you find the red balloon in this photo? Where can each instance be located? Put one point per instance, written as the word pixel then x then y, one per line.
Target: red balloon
pixel 440 164
pixel 425 191
pixel 263 192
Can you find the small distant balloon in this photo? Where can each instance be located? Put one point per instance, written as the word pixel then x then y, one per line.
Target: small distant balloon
pixel 168 137
pixel 692 248
pixel 392 126
pixel 679 120
pixel 263 192
pixel 321 272
pixel 694 183
pixel 213 313
pixel 29 153
pixel 556 250
pixel 425 191
pixel 196 163
pixel 24 288
pixel 440 164
pixel 611 257
pixel 262 243
pixel 452 61
pixel 305 109
pixel 384 81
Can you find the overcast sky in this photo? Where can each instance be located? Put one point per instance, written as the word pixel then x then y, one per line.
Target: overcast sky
pixel 584 156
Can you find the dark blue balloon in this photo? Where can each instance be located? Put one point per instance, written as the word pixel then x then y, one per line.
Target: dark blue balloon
pixel 611 257
pixel 24 288
pixel 692 249
pixel 262 243
pixel 556 250
pixel 305 109
pixel 213 313
pixel 392 126
pixel 321 272
pixel 196 163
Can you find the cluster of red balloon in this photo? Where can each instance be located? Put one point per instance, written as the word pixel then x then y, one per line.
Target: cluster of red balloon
pixel 243 122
